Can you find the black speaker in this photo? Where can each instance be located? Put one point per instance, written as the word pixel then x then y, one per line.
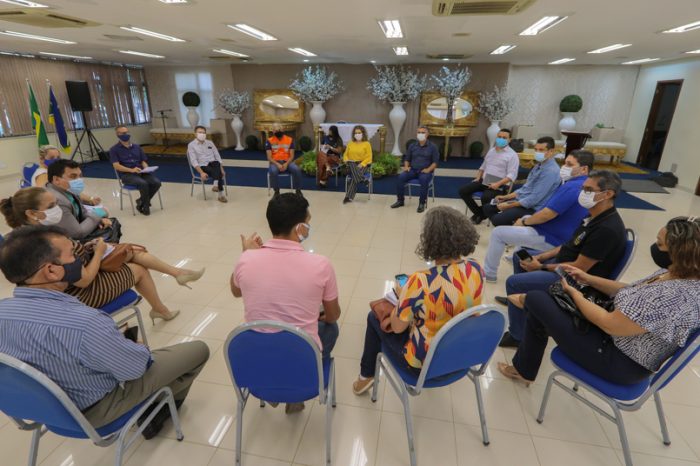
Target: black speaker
pixel 79 96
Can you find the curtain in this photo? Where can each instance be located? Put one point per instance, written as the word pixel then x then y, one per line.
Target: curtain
pixel 119 93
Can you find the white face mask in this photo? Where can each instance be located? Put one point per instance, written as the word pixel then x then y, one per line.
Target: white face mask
pixel 53 216
pixel 358 137
pixel 421 137
pixel 308 232
pixel 566 173
pixel 201 137
pixel 587 200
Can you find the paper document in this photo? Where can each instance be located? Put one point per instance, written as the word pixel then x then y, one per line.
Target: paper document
pixel 149 169
pixel 108 251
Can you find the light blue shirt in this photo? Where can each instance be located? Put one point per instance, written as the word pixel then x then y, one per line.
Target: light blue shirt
pixel 76 346
pixel 541 183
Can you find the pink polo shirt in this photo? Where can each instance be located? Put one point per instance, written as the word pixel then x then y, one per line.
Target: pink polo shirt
pixel 283 282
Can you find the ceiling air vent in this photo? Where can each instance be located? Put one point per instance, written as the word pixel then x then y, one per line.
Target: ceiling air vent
pixel 448 56
pixel 43 19
pixel 479 7
pixel 228 58
pixel 119 37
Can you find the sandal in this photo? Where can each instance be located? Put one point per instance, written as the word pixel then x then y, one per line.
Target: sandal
pixel 512 373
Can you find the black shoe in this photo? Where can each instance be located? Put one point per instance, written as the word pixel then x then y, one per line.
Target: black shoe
pixel 502 300
pixel 421 208
pixel 145 210
pixel 346 200
pixel 476 219
pixel 322 186
pixel 156 425
pixel 138 204
pixel 277 193
pixel 508 341
pixel 298 191
pixel 397 204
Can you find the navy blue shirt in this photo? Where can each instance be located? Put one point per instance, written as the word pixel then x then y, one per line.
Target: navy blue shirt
pixel 130 157
pixel 564 202
pixel 421 157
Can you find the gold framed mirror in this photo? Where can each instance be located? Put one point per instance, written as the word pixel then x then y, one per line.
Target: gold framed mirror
pixel 433 109
pixel 277 105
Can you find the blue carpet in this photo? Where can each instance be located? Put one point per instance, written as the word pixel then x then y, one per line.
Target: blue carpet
pixel 175 170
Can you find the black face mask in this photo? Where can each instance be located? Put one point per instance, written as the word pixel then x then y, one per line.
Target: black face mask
pixel 73 273
pixel 661 258
pixel 279 134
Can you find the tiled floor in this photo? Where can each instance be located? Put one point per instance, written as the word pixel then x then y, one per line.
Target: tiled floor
pixel 368 243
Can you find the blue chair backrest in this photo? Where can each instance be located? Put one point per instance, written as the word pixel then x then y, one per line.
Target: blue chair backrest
pixel 279 366
pixel 630 248
pixel 469 343
pixel 683 356
pixel 27 172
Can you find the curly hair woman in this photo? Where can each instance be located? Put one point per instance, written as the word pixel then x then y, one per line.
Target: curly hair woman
pixel 430 298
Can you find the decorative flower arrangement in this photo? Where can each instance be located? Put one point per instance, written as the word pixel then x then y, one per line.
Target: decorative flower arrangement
pixel 396 83
pixel 451 84
pixel 234 102
pixel 495 105
pixel 316 84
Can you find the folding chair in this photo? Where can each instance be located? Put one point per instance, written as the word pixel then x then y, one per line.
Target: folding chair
pixel 282 367
pixel 128 188
pixel 620 397
pixel 465 341
pixel 197 178
pixel 368 178
pixel 415 183
pixel 35 403
pixel 630 249
pixel 126 302
pixel 269 186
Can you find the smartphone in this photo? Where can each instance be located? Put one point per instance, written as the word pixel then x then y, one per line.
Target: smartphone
pixel 401 278
pixel 523 255
pixel 569 279
pixel 494 201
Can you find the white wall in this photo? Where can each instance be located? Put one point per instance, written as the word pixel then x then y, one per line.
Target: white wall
pixel 16 151
pixel 683 142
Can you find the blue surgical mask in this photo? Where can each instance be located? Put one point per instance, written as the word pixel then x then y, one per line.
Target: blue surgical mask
pixel 76 186
pixel 124 137
pixel 49 162
pixel 539 157
pixel 501 142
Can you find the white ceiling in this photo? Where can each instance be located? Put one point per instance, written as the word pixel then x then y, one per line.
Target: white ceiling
pixel 346 31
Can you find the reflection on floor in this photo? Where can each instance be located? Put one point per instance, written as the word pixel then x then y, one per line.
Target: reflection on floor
pixel 368 243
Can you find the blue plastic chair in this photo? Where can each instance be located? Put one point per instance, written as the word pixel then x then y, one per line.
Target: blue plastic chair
pixel 368 178
pixel 283 367
pixel 630 249
pixel 28 170
pixel 127 304
pixel 128 189
pixel 464 342
pixel 414 183
pixel 620 397
pixel 287 174
pixel 35 403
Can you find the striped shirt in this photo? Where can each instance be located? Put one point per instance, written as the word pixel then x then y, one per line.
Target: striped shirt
pixel 78 347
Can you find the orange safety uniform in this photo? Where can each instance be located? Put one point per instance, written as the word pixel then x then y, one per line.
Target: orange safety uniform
pixel 280 148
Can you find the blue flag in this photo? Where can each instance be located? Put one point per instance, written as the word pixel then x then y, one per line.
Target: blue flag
pixel 56 120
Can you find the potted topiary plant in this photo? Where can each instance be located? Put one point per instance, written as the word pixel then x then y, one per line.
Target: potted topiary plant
pixel 569 105
pixel 191 101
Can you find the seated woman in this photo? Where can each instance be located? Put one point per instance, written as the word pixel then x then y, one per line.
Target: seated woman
pixel 430 297
pixel 329 155
pixel 32 206
pixel 652 317
pixel 358 157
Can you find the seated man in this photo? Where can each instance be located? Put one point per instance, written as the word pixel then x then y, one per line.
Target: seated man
pixel 128 160
pixel 541 182
pixel 420 161
pixel 66 184
pixel 500 169
pixel 79 347
pixel 301 281
pixel 596 247
pixel 205 159
pixel 280 152
pixel 550 226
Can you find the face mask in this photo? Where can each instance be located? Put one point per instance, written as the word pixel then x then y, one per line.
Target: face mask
pixel 587 200
pixel 539 157
pixel 358 137
pixel 421 137
pixel 302 237
pixel 501 142
pixel 201 137
pixel 661 258
pixel 565 173
pixel 53 216
pixel 76 186
pixel 49 162
pixel 279 134
pixel 124 137
pixel 73 272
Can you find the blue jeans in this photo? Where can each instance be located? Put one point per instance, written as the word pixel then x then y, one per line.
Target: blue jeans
pixel 412 174
pixel 328 333
pixel 293 169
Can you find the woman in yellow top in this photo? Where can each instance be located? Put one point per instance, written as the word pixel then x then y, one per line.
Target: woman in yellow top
pixel 358 157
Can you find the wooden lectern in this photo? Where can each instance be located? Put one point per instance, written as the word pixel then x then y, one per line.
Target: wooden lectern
pixel 575 140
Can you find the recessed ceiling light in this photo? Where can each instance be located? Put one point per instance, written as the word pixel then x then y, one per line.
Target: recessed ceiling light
pixel 63 55
pixel 230 52
pixel 542 25
pixel 610 48
pixel 445 59
pixel 173 2
pixel 503 49
pixel 391 28
pixel 639 62
pixel 375 61
pixel 25 3
pixel 685 28
pixel 141 54
pixel 401 50
pixel 301 51
pixel 561 61
pixel 306 60
pixel 146 32
pixel 22 35
pixel 694 51
pixel 251 31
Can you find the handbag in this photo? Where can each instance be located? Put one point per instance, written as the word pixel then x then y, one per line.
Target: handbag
pixel 120 255
pixel 382 309
pixel 566 302
pixel 110 234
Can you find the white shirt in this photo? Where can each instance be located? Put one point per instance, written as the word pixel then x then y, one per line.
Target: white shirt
pixel 202 153
pixel 501 163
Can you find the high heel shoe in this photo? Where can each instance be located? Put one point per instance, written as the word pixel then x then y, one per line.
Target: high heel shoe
pixel 157 315
pixel 185 278
pixel 512 373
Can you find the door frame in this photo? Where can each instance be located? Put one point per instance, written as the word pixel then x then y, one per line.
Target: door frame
pixel 651 118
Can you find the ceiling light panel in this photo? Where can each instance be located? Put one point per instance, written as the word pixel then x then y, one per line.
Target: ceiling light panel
pixel 561 61
pixel 63 55
pixel 231 52
pixel 610 48
pixel 22 35
pixel 684 28
pixel 694 51
pixel 141 54
pixel 401 50
pixel 391 28
pixel 542 25
pixel 301 51
pixel 640 61
pixel 146 32
pixel 173 2
pixel 503 49
pixel 251 31
pixel 25 3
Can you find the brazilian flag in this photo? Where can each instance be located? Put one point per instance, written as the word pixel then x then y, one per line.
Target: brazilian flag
pixel 37 124
pixel 56 120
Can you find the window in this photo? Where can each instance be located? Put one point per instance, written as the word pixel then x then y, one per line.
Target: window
pixel 139 96
pixel 201 83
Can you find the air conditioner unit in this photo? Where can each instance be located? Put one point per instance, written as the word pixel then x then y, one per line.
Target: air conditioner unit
pixel 479 7
pixel 44 19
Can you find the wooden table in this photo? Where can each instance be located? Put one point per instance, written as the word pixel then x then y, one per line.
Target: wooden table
pixel 450 132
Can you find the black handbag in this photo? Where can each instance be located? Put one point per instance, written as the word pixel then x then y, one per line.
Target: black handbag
pixel 566 303
pixel 111 234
